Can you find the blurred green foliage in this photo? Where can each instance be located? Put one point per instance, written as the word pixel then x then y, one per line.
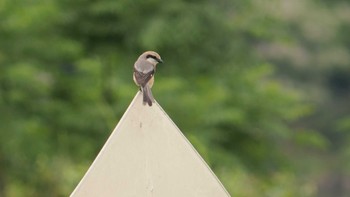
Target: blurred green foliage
pixel 261 88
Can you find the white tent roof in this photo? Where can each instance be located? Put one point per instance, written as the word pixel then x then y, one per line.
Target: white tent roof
pixel 147 155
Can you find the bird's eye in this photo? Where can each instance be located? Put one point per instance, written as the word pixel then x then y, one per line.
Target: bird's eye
pixel 151 56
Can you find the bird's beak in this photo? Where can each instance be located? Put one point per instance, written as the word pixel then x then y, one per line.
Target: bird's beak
pixel 160 60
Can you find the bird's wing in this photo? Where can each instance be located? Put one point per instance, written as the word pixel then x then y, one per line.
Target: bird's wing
pixel 143 71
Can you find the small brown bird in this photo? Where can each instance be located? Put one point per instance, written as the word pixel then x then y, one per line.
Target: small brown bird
pixel 144 69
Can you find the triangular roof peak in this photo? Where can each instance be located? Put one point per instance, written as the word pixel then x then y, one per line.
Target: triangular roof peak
pixel 147 155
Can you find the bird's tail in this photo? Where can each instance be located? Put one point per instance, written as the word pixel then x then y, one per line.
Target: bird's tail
pixel 147 95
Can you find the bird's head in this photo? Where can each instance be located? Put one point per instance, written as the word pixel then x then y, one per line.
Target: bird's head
pixel 152 57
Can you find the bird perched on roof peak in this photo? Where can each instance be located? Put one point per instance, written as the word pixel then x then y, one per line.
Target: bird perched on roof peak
pixel 144 70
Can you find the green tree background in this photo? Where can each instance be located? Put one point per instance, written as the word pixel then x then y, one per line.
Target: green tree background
pixel 261 88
